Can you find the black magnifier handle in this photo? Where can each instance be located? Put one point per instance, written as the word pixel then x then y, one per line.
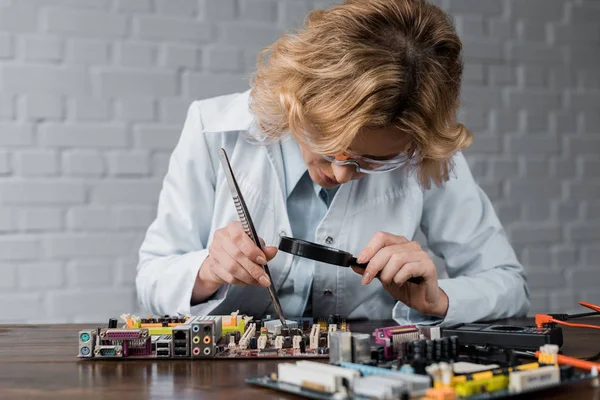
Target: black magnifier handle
pixel 416 280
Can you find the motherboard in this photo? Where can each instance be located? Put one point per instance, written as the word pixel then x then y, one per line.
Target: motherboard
pixel 411 362
pixel 217 337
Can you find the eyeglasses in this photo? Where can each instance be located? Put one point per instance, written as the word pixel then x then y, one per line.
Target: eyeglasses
pixel 370 166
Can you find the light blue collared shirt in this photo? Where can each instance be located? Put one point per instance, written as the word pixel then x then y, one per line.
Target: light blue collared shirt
pixel 307 204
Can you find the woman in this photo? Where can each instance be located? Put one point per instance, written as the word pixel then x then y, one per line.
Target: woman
pixel 358 147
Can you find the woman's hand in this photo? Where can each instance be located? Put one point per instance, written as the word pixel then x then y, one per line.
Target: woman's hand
pixel 232 258
pixel 396 259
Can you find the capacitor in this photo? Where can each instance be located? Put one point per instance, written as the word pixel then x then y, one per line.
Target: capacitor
pixel 285 332
pixel 112 323
pixel 437 346
pixel 287 342
pixel 322 342
pixel 303 346
pixel 253 343
pixel 454 347
pixel 237 335
pixel 165 323
pixel 430 353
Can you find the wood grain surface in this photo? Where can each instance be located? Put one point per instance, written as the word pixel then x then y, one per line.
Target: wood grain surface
pixel 40 362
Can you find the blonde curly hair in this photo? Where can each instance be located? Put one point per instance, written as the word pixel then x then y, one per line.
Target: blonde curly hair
pixel 366 64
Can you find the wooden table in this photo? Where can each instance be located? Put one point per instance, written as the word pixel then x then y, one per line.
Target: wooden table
pixel 39 361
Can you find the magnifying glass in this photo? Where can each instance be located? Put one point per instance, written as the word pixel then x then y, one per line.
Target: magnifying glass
pixel 328 255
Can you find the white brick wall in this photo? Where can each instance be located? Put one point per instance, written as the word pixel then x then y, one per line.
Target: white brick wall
pixel 93 95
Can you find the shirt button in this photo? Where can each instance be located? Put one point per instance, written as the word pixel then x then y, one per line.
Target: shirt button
pixel 282 233
pixel 329 240
pixel 327 292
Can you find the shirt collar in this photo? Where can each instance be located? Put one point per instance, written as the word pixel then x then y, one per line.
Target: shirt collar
pixel 293 163
pixel 234 116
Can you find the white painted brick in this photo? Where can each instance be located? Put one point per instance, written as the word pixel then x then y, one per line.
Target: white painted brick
pixel 534 144
pixel 544 99
pixel 44 79
pixel 70 245
pixel 8 281
pixel 16 134
pixel 228 59
pixel 546 279
pixel 136 54
pixel 474 73
pixel 293 13
pixel 485 144
pixel 537 212
pixel 483 7
pixel 83 304
pixel 170 28
pixel 201 86
pixel 134 217
pixel 481 96
pixel 535 169
pixel 6 46
pixel 21 307
pixel 43 192
pixel 41 275
pixel 564 122
pixel 87 51
pixel 561 78
pixel 564 256
pixel 503 75
pixel 539 303
pixel 584 145
pixel 590 168
pixel 258 10
pixel 89 109
pixel 221 10
pixel 535 121
pixel 533 76
pixel 503 169
pixel 89 218
pixel 173 110
pixel 585 13
pixel 584 101
pixel 538 233
pixel 492 189
pixel 524 190
pixel 115 82
pixel 246 34
pixel 590 255
pixel 160 164
pixel 539 9
pixel 156 137
pixel 470 26
pixel 126 271
pixel 83 163
pixel 533 31
pixel 476 120
pixel 563 169
pixel 131 163
pixel 591 122
pixel 19 247
pixel 502 29
pixel 568 212
pixel 18 19
pixel 43 106
pixel 36 163
pixel 43 48
pixel 134 5
pixel 136 109
pixel 509 213
pixel 8 220
pixel 482 50
pixel 535 53
pixel 183 8
pixel 92 4
pixel 586 278
pixel 84 23
pixel 35 219
pixel 7 106
pixel 5 163
pixel 125 192
pixel 576 33
pixel 174 56
pixel 83 135
pixel 97 272
pixel 536 256
pixel 584 191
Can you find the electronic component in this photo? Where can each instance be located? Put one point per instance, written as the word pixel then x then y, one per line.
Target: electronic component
pixel 87 341
pixel 162 345
pixel 534 378
pixel 394 339
pixel 511 336
pixel 340 347
pixel 361 347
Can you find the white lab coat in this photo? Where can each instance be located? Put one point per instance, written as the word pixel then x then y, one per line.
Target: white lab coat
pixel 486 280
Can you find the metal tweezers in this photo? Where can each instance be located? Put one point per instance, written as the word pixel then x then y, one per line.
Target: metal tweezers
pixel 246 221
